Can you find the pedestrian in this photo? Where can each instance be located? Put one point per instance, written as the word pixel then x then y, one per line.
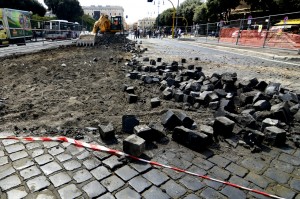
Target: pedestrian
pixel 34 34
pixel 135 34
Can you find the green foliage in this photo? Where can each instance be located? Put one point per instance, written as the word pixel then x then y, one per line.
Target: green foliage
pixel 29 5
pixel 274 6
pixel 65 9
pixel 166 17
pixel 88 22
pixel 200 15
pixel 220 9
pixel 187 10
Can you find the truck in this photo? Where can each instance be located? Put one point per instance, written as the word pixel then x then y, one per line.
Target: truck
pixel 15 27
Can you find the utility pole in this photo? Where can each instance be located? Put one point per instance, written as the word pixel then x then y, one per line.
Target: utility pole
pixel 177 15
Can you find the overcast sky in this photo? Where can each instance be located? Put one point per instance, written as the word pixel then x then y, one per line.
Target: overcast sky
pixel 135 9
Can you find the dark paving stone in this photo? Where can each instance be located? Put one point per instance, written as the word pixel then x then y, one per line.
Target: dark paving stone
pixel 10 182
pixel 139 183
pixel 19 192
pixel 220 161
pixel 106 196
pixel 44 159
pixel 112 183
pixel 101 155
pixel 197 170
pixel 14 148
pixel 3 160
pixel 297 153
pixel 236 169
pixel 257 179
pixel 60 179
pixel 112 162
pixel 259 196
pixel 91 163
pixel 51 168
pixel 179 163
pixel 253 164
pixel 63 157
pixel 212 184
pixel 219 173
pixel 17 155
pixel 155 193
pixel 126 173
pixel 191 196
pixel 37 183
pixel 191 183
pixel 83 155
pixel 82 175
pixel 22 163
pixel 289 159
pixel 51 144
pixel 173 189
pixel 127 193
pixel 282 166
pixel 295 184
pixel 100 173
pixel 6 170
pixel 284 192
pixel 56 150
pixel 204 164
pixel 156 177
pixel 30 172
pixel 71 165
pixel 232 192
pixel 37 152
pixel 94 189
pixel 239 181
pixel 277 175
pixel 140 166
pixel 69 191
pixel 210 193
pixel 74 150
pixel 175 175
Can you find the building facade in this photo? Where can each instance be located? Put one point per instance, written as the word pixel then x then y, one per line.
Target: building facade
pixel 146 23
pixel 96 11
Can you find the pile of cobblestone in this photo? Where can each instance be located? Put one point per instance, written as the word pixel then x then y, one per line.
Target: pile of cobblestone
pixel 246 112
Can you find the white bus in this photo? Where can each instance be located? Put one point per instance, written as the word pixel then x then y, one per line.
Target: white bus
pixel 61 29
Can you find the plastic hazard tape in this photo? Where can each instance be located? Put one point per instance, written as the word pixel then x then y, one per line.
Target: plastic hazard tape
pixel 120 153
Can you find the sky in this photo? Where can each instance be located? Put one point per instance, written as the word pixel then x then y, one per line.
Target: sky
pixel 134 9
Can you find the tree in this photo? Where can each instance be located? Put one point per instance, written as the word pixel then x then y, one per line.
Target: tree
pixel 29 5
pixel 265 6
pixel 200 15
pixel 220 9
pixel 187 10
pixel 88 22
pixel 65 9
pixel 166 17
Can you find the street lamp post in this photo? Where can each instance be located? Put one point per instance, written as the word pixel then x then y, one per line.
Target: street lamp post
pixel 177 15
pixel 174 12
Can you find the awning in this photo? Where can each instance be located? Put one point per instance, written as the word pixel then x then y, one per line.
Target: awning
pixel 289 22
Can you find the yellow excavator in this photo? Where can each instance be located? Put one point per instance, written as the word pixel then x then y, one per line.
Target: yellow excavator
pixel 104 26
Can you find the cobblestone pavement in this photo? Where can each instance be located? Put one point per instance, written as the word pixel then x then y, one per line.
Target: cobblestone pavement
pixel 61 170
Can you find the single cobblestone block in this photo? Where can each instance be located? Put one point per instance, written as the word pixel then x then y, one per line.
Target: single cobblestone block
pixel 170 120
pixel 56 150
pixel 63 157
pixel 84 175
pixel 51 144
pixel 129 122
pixel 6 170
pixel 190 138
pixel 295 184
pixel 60 179
pixel 140 167
pixel 232 192
pixel 236 169
pixel 14 148
pixel 91 163
pixel 238 180
pixel 155 102
pixel 37 152
pixel 74 150
pixel 158 131
pixel 269 122
pixel 113 162
pixel 167 94
pixel 154 193
pixel 219 160
pixel 100 173
pixel 272 88
pixel 277 175
pixel 10 182
pixel 30 172
pixel 212 184
pixel 83 155
pixel 253 164
pixel 210 193
pixel 173 189
pixel 22 163
pixel 19 192
pixel 144 131
pixel 112 183
pixel 69 191
pixel 257 179
pixel 126 173
pixel 290 159
pixel 3 160
pixel 223 126
pixel 134 145
pixel 283 192
pixel 282 166
pixel 33 145
pixel 156 177
pixel 106 196
pixel 281 112
pixel 37 183
pixel 94 189
pixel 51 168
pixel 192 183
pixel 71 165
pixel 101 155
pixel 207 130
pixel 186 121
pixel 107 131
pixel 275 136
pixel 132 98
pixel 219 173
pixel 139 183
pixel 44 159
pixel 9 142
pixel 202 163
pixel 127 193
pixel 17 155
pixel 262 105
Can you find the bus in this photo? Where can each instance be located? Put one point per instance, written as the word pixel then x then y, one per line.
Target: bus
pixel 61 29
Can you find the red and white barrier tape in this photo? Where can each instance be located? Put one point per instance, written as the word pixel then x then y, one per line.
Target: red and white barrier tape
pixel 120 153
